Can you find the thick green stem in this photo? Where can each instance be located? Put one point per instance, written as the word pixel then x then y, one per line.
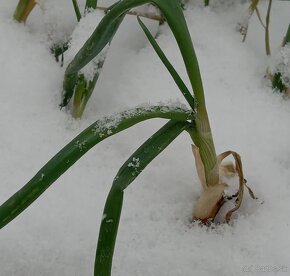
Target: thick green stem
pixel 204 141
pixel 23 9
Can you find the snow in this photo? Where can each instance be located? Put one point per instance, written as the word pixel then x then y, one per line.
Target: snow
pixel 57 235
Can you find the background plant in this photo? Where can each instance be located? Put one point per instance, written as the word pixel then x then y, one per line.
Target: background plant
pixel 85 85
pixel 244 27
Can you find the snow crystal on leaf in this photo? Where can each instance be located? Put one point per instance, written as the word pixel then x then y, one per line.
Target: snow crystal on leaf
pixel 135 163
pixel 107 125
pixel 80 145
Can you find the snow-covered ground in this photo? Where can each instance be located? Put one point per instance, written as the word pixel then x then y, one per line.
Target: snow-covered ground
pixel 57 235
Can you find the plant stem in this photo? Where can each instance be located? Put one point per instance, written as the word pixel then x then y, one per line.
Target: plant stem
pixel 201 133
pixel 204 141
pixel 267 35
pixel 23 9
pixel 74 150
pixel 206 3
pixel 260 18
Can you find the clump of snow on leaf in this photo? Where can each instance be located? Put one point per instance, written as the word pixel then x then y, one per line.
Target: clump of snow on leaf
pixel 81 34
pixel 135 163
pixel 110 123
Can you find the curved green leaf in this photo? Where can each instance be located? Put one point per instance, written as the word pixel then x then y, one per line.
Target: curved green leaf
pixel 126 175
pixel 73 151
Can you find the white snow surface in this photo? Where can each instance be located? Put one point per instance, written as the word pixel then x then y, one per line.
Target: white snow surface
pixel 57 235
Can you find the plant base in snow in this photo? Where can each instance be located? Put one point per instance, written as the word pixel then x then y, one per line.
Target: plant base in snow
pixel 212 198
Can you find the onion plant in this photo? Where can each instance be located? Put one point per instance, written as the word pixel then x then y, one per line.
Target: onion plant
pixel 192 119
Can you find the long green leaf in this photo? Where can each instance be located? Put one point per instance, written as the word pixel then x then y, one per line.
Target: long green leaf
pixel 73 151
pixel 77 10
pixel 178 80
pixel 126 175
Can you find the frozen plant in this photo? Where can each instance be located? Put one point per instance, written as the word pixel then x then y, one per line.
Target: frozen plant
pixel 192 118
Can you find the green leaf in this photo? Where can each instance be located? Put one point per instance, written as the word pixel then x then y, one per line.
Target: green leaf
pixel 77 10
pixel 179 82
pixel 91 4
pixel 89 51
pixel 73 151
pixel 126 175
pixel 84 89
pixel 287 36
